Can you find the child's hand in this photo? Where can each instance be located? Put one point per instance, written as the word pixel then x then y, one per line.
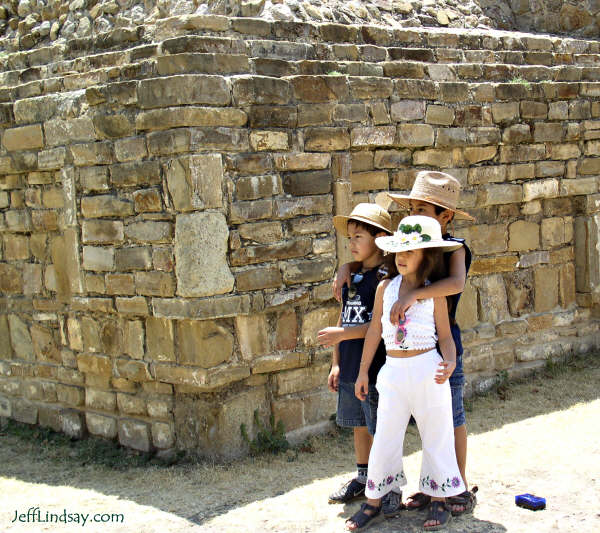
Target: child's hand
pixel 334 378
pixel 342 278
pixel 400 306
pixel 330 336
pixel 361 387
pixel 444 371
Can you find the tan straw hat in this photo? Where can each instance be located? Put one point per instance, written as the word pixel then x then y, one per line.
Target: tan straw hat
pixel 436 188
pixel 416 232
pixel 369 214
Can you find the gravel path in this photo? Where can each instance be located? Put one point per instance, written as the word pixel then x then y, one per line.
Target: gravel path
pixel 544 439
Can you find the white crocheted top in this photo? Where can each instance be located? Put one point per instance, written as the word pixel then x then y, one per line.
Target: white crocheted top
pixel 417 332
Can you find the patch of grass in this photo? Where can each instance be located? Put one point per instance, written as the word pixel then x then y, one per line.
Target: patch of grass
pixel 502 385
pixel 268 439
pixel 91 450
pixel 521 81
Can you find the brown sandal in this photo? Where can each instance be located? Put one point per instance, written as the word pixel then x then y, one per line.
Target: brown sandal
pixel 418 501
pixel 467 499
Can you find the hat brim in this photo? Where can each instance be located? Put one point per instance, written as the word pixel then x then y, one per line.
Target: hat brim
pixel 393 244
pixel 340 223
pixel 404 201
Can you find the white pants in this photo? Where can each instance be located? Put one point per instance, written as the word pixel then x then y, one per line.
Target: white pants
pixel 406 386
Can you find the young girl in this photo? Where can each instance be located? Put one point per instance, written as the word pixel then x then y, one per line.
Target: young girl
pixel 414 377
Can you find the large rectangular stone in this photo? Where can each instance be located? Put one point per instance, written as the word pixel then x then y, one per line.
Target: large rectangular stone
pixel 23 138
pixel 270 252
pixel 414 135
pixel 183 90
pixel 135 173
pixel 249 90
pixel 373 136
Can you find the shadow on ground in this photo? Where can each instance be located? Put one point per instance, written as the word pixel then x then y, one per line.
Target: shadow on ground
pixel 199 493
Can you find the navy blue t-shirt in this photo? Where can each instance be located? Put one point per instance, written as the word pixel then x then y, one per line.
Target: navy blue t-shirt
pixel 453 300
pixel 356 311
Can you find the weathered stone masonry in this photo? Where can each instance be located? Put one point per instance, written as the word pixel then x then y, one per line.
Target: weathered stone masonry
pixel 165 209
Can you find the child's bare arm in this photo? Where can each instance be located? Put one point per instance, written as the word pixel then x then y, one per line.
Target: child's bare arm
pixel 334 374
pixel 453 284
pixel 372 340
pixel 445 340
pixel 343 278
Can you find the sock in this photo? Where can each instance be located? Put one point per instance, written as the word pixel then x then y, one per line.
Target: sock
pixel 361 475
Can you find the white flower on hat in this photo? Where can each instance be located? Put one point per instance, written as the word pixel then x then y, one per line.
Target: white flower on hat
pixel 403 239
pixel 415 237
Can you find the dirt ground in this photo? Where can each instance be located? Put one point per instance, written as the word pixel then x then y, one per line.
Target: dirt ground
pixel 543 438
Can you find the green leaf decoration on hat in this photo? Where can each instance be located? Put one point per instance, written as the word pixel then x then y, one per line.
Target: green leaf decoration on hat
pixel 425 237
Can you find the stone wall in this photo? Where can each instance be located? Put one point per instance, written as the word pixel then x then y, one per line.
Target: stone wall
pixel 165 212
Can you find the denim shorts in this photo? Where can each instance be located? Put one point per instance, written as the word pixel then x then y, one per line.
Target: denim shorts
pixel 352 412
pixel 457 385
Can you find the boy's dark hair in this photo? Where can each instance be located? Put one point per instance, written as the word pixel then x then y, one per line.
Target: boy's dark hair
pixel 439 210
pixel 373 230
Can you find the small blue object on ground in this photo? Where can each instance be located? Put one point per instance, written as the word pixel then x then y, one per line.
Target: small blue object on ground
pixel 529 501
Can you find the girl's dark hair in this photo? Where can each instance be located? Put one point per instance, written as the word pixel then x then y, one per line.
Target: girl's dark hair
pixel 432 266
pixel 373 230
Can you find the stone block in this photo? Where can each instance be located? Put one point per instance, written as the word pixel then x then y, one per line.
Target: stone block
pixel 307 183
pixel 476 154
pixel 249 90
pixel 134 434
pixel 556 231
pixel 414 135
pixel 391 159
pixel 163 436
pixel 196 270
pixel 102 231
pixel 485 240
pixel 269 140
pixel 566 275
pixel 203 343
pixel 24 411
pixel 466 312
pixel 95 153
pixel 130 404
pixel 589 165
pixel 98 258
pixel 183 90
pixel 112 126
pixel 169 141
pixel 326 139
pixel 220 139
pixel 372 136
pixel 136 305
pixel 522 152
pixel 439 115
pixel 493 265
pixel 147 201
pixel 272 117
pixel 105 205
pixel 523 236
pixel 149 231
pixel 93 179
pixel 269 252
pixel 495 194
pixel 44 344
pixel 548 188
pixel 135 173
pixel 505 112
pixel 493 299
pixel 302 379
pixel 407 110
pixel 315 114
pixel 302 161
pixel 367 181
pixel 258 278
pixel 132 370
pixel 314 321
pixel 20 338
pixel 348 113
pixel 307 271
pixel 319 89
pixel 100 400
pixel 160 340
pixel 252 334
pixel 250 210
pixel 579 186
pixel 72 423
pixel 517 133
pixel 154 284
pixel 62 132
pixel 103 426
pixel 309 205
pixel 546 281
pixel 23 138
pixel 16 247
pixel 133 338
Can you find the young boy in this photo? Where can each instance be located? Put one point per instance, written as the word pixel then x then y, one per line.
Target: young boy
pixel 365 223
pixel 435 194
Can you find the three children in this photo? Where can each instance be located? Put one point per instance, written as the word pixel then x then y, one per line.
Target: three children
pixel 435 195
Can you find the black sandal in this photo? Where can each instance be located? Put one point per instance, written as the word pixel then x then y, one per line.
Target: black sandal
pixel 417 501
pixel 467 499
pixel 439 512
pixel 362 519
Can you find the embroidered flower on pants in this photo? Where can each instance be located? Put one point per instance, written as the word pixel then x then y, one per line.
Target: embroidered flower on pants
pixel 455 482
pixel 388 480
pixel 370 484
pixel 433 485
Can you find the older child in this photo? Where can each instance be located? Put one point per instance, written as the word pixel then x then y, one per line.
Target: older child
pixel 414 377
pixel 365 223
pixel 435 194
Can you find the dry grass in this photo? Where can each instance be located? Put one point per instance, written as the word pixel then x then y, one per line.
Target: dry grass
pixel 543 437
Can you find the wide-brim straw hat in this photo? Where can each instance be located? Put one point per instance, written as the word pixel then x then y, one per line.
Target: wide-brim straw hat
pixel 371 214
pixel 416 232
pixel 436 188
